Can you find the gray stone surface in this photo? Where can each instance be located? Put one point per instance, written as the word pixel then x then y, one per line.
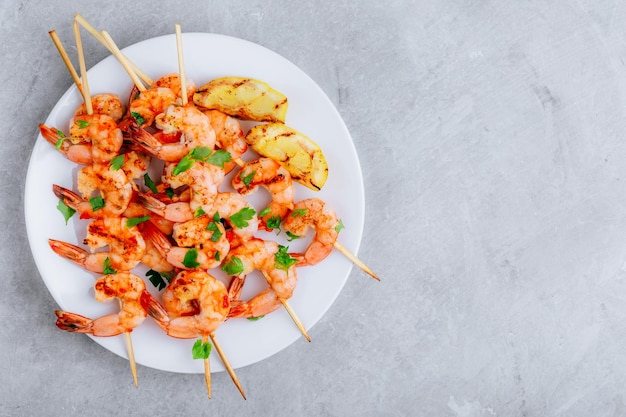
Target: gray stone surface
pixel 491 138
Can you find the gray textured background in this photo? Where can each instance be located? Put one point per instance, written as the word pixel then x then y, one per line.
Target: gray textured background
pixel 491 138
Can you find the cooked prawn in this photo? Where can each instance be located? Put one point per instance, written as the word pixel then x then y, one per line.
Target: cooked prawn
pixel 202 178
pixel 262 255
pixel 194 304
pixel 149 103
pixel 191 124
pixel 74 149
pixel 201 243
pixel 106 103
pixel 176 212
pixel 239 214
pixel 101 131
pixel 314 213
pixel 172 81
pixel 129 289
pixel 276 179
pixel 229 136
pixel 126 246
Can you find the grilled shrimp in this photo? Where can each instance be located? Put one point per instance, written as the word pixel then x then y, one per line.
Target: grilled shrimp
pixel 271 175
pixel 126 287
pixel 313 213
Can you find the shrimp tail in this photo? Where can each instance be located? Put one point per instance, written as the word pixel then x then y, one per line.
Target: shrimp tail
pixel 68 251
pixel 49 133
pixel 151 203
pixel 160 241
pixel 72 322
pixel 69 197
pixel 141 136
pixel 155 310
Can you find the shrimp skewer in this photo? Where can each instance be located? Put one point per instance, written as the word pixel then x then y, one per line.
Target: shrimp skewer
pixel 130 290
pixel 314 213
pixel 194 304
pixel 277 267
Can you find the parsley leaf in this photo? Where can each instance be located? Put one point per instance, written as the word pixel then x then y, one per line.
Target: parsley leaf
pixel 217 255
pixel 273 222
pixel 117 162
pixel 149 183
pixel 255 318
pixel 190 260
pixel 240 219
pixel 184 164
pixel 65 210
pixel 299 212
pixel 198 212
pixel 203 154
pixel 138 118
pixel 291 236
pixel 339 226
pixel 247 179
pixel 282 259
pixel 82 123
pixel 158 279
pixel 233 267
pixel 169 192
pixel 201 350
pixel 96 203
pixel 134 221
pixel 264 212
pixel 61 138
pixel 216 217
pixel 107 268
pixel 217 233
pixel 219 157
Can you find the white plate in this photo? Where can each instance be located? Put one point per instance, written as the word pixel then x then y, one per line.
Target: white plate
pixel 207 56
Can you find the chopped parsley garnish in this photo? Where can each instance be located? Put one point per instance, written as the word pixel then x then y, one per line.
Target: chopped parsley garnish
pixel 170 192
pixel 117 162
pixel 299 212
pixel 65 210
pixel 134 221
pixel 62 137
pixel 240 219
pixel 107 268
pixel 233 267
pixel 282 259
pixel 198 212
pixel 201 350
pixel 264 212
pixel 217 255
pixel 216 217
pixel 204 154
pixel 217 233
pixel 158 279
pixel 247 179
pixel 96 203
pixel 273 223
pixel 255 318
pixel 82 123
pixel 191 258
pixel 339 226
pixel 149 183
pixel 291 236
pixel 138 118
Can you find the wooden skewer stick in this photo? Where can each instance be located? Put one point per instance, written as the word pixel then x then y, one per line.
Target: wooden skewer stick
pixel 131 355
pixel 122 59
pixel 99 37
pixel 291 313
pixel 89 107
pixel 226 363
pixel 344 251
pixel 181 65
pixel 67 61
pixel 83 69
pixel 207 370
